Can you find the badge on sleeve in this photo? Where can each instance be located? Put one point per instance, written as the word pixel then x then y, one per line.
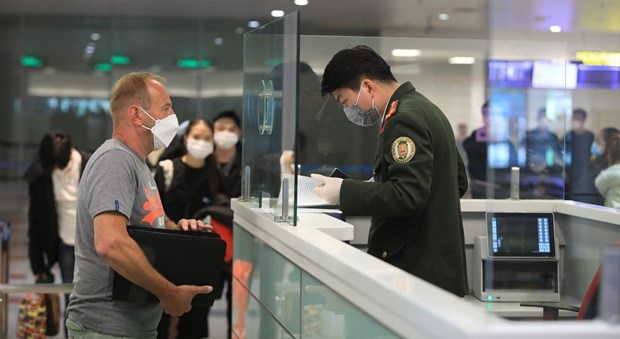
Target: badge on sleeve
pixel 403 150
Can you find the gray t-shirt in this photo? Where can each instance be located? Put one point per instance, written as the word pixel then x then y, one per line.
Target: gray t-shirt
pixel 115 179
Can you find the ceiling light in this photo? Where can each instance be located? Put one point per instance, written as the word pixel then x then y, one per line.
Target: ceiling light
pixel 253 24
pixel 239 30
pixel 405 52
pixel 461 60
pixel 95 36
pixel 218 41
pixel 301 2
pixel 555 29
pixel 443 16
pixel 89 49
pixel 276 13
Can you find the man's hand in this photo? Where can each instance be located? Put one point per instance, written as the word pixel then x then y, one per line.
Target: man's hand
pixel 181 301
pixel 329 188
pixel 193 225
pixel 287 162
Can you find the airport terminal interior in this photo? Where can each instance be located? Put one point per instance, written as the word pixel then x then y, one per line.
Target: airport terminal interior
pixel 530 88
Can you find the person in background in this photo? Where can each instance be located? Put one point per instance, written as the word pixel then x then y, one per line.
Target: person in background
pixel 543 152
pixel 577 154
pixel 187 184
pixel 460 136
pixel 490 156
pixel 228 154
pixel 53 192
pixel 475 147
pixel 117 189
pixel 414 197
pixel 542 175
pixel 586 190
pixel 608 181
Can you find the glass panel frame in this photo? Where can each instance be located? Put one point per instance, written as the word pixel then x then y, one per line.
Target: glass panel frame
pixel 270 113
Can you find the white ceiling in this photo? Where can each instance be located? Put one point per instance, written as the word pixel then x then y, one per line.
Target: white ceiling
pixel 406 16
pixel 319 15
pixel 166 29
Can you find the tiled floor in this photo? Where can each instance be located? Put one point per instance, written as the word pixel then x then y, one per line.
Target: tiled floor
pixel 14 209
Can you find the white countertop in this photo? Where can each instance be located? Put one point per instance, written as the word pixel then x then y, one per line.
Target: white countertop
pixel 404 303
pixel 316 218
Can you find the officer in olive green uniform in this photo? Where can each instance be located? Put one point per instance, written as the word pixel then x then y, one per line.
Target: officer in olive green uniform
pixel 419 179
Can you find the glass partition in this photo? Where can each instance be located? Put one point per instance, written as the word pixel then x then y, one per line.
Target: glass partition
pixel 326 139
pixel 270 91
pixel 554 96
pixel 524 124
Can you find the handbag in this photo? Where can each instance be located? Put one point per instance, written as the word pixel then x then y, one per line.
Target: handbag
pixel 52 308
pixel 32 317
pixel 39 313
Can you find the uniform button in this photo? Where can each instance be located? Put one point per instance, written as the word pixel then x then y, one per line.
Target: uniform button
pixel 384 254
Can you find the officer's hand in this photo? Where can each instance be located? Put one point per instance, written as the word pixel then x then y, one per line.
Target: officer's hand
pixel 328 189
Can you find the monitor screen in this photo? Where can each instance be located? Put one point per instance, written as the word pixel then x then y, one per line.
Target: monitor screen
pixel 520 234
pixel 508 73
pixel 596 76
pixel 550 74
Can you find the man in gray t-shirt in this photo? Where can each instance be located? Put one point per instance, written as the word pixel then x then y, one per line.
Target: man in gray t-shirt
pixel 116 190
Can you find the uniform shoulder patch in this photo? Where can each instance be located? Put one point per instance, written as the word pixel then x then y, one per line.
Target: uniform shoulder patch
pixel 403 150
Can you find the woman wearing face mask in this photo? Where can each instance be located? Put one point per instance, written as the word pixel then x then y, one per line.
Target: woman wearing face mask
pixel 228 152
pixel 608 181
pixel 187 184
pixel 586 190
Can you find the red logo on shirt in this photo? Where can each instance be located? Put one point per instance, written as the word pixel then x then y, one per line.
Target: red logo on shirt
pixel 153 206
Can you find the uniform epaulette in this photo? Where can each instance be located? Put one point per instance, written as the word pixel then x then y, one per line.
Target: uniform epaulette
pixel 390 113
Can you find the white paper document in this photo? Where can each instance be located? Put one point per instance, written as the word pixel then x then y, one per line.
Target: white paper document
pixel 305 191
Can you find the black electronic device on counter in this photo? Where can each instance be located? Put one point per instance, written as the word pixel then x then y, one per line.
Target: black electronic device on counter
pixel 182 257
pixel 337 173
pixel 518 260
pixel 524 235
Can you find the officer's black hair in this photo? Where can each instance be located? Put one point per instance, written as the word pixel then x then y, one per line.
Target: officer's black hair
pixel 348 66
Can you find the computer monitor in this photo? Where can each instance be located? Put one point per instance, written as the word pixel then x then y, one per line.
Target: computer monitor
pixel 521 235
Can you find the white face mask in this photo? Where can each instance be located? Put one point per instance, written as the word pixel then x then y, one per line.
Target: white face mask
pixel 164 130
pixel 199 149
pixel 225 139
